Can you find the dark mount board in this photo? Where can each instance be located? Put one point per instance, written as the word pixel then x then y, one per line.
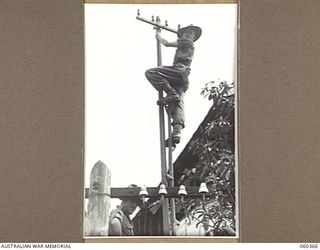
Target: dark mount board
pixel 42 120
pixel 279 136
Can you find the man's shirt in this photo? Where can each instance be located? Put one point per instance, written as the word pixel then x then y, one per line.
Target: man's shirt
pixel 126 223
pixel 184 52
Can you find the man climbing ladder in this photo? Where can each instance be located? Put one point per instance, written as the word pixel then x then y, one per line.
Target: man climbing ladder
pixel 173 80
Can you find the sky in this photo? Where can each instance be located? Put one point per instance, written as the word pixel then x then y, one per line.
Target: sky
pixel 121 114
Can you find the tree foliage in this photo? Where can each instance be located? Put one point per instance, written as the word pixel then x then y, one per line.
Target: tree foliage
pixel 215 150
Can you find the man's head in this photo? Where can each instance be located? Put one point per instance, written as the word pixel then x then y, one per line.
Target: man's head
pixel 190 32
pixel 129 205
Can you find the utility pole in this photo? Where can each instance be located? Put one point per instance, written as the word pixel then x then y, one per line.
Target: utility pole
pixel 164 169
pixel 165 204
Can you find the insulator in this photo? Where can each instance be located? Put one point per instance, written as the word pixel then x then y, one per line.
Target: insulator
pixel 182 190
pixel 143 191
pixel 162 189
pixel 203 188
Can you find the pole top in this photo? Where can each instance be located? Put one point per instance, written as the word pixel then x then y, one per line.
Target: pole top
pixel 156 23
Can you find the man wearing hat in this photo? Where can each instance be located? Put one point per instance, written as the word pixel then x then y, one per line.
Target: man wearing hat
pixel 173 80
pixel 120 223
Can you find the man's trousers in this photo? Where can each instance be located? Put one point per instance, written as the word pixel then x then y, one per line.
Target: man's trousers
pixel 177 78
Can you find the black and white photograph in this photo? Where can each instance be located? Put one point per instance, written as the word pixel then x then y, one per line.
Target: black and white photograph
pixel 160 120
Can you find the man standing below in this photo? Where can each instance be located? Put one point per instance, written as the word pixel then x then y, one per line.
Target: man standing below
pixel 120 223
pixel 173 80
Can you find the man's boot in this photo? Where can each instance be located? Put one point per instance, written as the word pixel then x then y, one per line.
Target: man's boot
pixel 175 135
pixel 170 91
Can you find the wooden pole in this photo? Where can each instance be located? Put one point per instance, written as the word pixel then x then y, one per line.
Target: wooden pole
pixel 165 208
pixel 165 203
pixel 97 214
pixel 171 172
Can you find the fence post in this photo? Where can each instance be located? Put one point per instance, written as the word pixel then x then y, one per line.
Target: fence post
pixel 97 214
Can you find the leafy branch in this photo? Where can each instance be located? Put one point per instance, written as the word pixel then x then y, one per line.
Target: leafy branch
pixel 216 162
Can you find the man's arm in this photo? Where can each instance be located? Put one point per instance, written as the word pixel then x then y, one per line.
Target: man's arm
pixel 165 42
pixel 115 227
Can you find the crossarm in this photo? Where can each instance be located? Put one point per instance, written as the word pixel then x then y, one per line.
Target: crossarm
pixel 153 192
pixel 156 24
